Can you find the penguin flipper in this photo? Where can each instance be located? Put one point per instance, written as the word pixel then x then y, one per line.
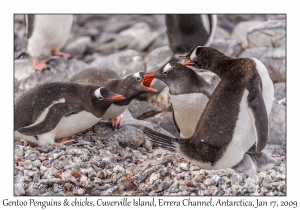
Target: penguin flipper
pixel 257 105
pixel 54 115
pixel 162 140
pixel 29 22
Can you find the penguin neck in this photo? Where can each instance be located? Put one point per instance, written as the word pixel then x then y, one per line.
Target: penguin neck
pixel 120 86
pixel 217 63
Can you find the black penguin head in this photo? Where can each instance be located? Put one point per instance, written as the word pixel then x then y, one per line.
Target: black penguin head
pixel 168 73
pixel 202 57
pixel 136 84
pixel 105 95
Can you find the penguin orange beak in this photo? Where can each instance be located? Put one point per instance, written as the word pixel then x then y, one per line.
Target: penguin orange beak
pixel 147 82
pixel 116 97
pixel 189 63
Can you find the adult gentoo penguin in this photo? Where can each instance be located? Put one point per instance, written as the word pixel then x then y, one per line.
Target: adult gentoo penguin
pixel 57 110
pixel 188 30
pixel 189 94
pixel 255 81
pixel 47 34
pixel 131 87
pixel 235 117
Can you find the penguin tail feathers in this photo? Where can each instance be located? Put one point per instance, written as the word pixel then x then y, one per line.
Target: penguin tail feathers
pixel 161 140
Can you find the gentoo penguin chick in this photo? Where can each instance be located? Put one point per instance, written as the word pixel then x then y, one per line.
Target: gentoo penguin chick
pixel 249 80
pixel 189 94
pixel 57 110
pixel 235 117
pixel 131 87
pixel 186 31
pixel 47 34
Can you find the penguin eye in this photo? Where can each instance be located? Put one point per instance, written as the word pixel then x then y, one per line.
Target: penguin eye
pixel 100 98
pixel 138 78
pixel 165 73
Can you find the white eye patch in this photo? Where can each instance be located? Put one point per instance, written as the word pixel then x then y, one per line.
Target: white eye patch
pixel 97 93
pixel 137 76
pixel 167 68
pixel 193 54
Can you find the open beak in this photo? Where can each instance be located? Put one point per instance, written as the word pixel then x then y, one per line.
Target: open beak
pixel 189 63
pixel 148 80
pixel 116 97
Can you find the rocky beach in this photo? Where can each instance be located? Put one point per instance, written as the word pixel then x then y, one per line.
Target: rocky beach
pixel 104 161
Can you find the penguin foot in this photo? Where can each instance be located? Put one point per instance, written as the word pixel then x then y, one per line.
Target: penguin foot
pixel 254 153
pixel 116 122
pixel 38 65
pixel 64 142
pixel 61 54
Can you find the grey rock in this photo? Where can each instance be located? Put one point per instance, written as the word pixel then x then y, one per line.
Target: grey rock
pixel 184 166
pixel 78 191
pixel 27 164
pixel 91 173
pixel 157 58
pixel 124 62
pixel 19 189
pixel 164 120
pixel 79 46
pixel 209 182
pixel 273 58
pixel 119 169
pixel 19 151
pixel 126 135
pixel 277 126
pixel 261 33
pixel 143 177
pixel 279 91
pixel 236 178
pixel 141 109
pixel 140 35
pixel 61 70
pixel 160 186
pixel 229 47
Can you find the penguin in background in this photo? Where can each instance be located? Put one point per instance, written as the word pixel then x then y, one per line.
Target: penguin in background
pixel 189 94
pixel 46 34
pixel 130 87
pixel 235 118
pixel 185 31
pixel 58 110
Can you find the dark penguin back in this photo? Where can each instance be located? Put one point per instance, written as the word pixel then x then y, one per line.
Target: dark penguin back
pixel 30 105
pixel 95 76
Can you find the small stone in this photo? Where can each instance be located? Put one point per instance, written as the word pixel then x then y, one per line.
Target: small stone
pixel 236 178
pixel 229 172
pixel 143 177
pixel 209 182
pixel 119 169
pixel 91 173
pixel 27 164
pixel 37 163
pixel 184 166
pixel 19 190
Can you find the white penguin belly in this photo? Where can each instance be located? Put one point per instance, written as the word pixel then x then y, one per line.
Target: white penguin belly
pixel 66 127
pixel 75 123
pixel 187 111
pixel 50 32
pixel 114 111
